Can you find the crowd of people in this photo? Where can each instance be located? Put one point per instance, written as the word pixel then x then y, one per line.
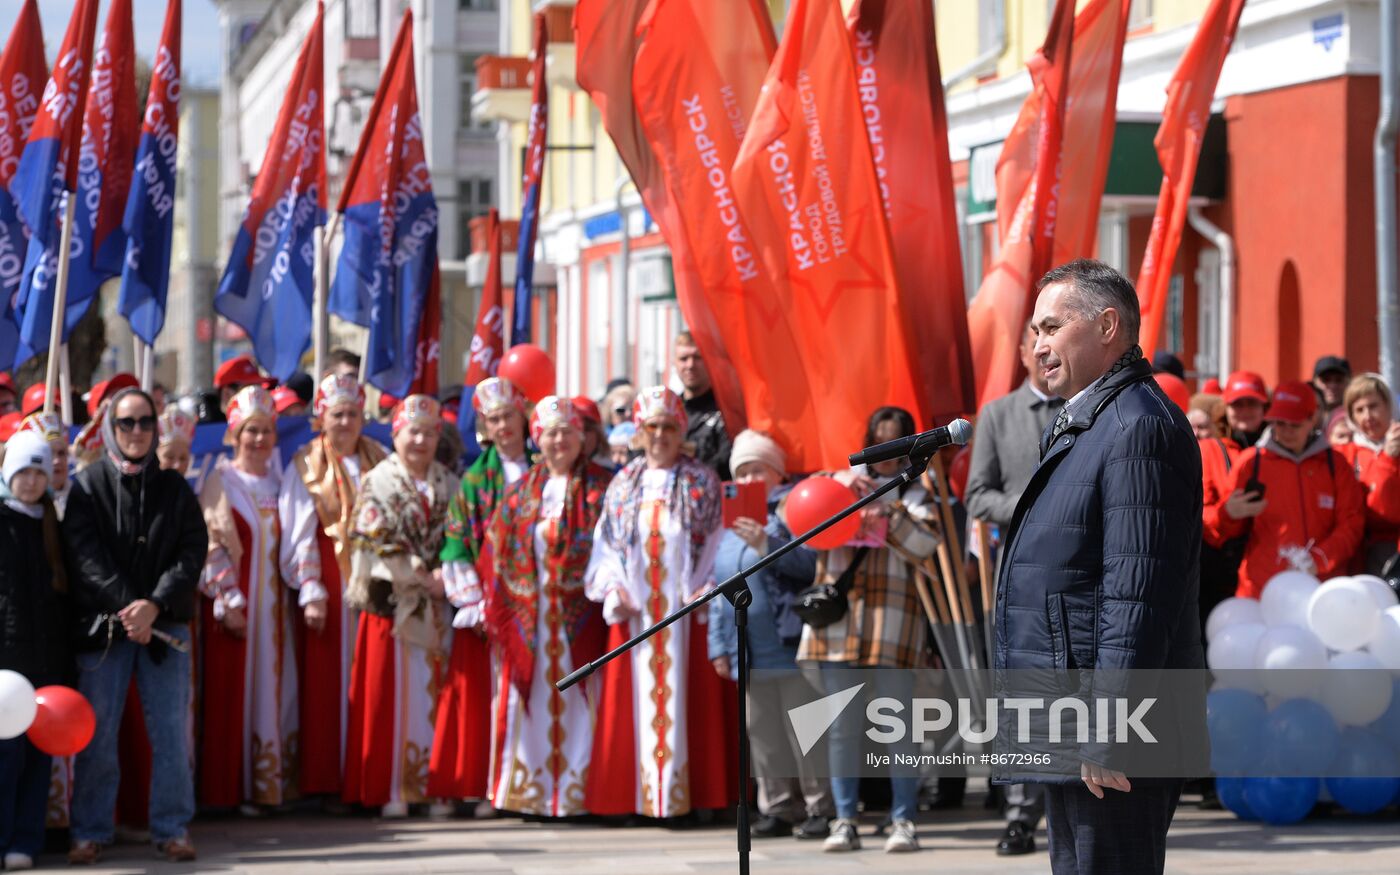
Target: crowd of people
pixel 376 628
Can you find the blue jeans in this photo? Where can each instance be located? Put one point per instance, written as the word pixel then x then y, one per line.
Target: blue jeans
pixel 844 741
pixel 24 796
pixel 103 677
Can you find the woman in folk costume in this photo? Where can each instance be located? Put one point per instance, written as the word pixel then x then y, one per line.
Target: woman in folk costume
pixel 660 746
pixel 461 742
pixel 249 708
pixel 395 583
pixel 318 497
pixel 542 624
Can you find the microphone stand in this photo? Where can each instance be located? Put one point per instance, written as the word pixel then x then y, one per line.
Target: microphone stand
pixel 736 590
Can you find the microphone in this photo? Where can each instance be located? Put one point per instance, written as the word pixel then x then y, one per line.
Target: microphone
pixel 959 432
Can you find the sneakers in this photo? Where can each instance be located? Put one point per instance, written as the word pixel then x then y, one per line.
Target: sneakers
pixel 84 853
pixel 814 827
pixel 1018 839
pixel 769 827
pixel 843 837
pixel 903 838
pixel 177 850
pixel 394 810
pixel 14 861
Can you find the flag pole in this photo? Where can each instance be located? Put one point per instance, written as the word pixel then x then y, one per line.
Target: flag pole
pixel 148 367
pixel 318 306
pixel 65 386
pixel 60 305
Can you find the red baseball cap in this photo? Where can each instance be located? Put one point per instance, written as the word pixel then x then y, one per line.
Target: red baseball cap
pixel 238 372
pixel 284 399
pixel 1211 387
pixel 33 400
pixel 107 388
pixel 1245 384
pixel 587 408
pixel 9 424
pixel 1294 401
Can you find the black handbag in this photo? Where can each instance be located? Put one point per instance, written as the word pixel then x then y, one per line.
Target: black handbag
pixel 823 604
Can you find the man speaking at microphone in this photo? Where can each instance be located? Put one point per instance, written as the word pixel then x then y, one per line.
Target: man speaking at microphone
pixel 1100 570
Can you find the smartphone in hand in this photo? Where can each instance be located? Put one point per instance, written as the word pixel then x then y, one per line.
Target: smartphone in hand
pixel 744 500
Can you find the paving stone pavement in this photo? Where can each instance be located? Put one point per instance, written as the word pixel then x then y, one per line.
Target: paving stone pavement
pixel 954 842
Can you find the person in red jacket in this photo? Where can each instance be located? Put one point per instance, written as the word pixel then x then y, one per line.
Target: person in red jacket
pixel 1295 498
pixel 1372 455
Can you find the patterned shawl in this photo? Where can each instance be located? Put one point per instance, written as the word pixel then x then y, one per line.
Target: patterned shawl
pixel 694 497
pixel 471 508
pixel 397 536
pixel 512 614
pixel 331 491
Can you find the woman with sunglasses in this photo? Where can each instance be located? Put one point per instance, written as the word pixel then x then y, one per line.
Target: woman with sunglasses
pixel 248 756
pixel 136 542
pixel 540 622
pixel 654 550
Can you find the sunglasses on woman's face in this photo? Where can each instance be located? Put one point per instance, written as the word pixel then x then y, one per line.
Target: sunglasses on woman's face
pixel 129 424
pixel 662 428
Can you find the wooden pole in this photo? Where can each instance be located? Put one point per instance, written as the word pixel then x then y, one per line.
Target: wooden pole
pixel 60 305
pixel 320 320
pixel 984 566
pixel 65 386
pixel 148 367
pixel 951 536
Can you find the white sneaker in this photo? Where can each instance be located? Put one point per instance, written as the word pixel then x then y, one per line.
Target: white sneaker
pixel 903 838
pixel 15 860
pixel 394 810
pixel 843 837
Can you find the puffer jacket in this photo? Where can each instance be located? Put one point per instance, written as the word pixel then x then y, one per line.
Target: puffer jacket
pixel 1101 565
pixel 132 537
pixel 33 611
pixel 1312 502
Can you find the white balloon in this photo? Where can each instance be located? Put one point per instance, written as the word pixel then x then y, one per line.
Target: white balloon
pixel 1284 600
pixel 1343 614
pixel 1360 690
pixel 1380 590
pixel 1233 652
pixel 1232 612
pixel 17 705
pixel 1385 644
pixel 1291 660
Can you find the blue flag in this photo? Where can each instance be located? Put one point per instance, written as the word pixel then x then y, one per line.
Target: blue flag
pixel 530 187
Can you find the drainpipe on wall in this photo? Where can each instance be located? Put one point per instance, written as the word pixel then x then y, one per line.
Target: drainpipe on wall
pixel 1387 285
pixel 620 363
pixel 978 65
pixel 1226 307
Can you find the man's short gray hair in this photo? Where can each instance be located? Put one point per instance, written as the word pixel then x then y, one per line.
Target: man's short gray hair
pixel 1098 287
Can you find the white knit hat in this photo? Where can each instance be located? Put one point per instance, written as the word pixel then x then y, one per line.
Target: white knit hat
pixel 27 449
pixel 755 446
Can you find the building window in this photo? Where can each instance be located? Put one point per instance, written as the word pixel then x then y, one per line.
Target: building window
pixel 362 19
pixel 477 5
pixel 475 196
pixel 468 80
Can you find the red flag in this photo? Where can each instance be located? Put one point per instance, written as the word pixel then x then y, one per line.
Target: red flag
pixel 23 73
pixel 805 183
pixel 1178 149
pixel 489 338
pixel 901 91
pixel 429 350
pixel 1050 179
pixel 697 78
pixel 606 44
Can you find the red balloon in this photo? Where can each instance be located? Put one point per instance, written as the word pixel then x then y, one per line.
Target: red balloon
pixel 530 369
pixel 957 471
pixel 815 499
pixel 64 723
pixel 1175 389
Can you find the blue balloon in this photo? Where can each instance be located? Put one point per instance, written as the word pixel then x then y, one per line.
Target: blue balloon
pixel 1230 791
pixel 1300 737
pixel 1366 773
pixel 1281 801
pixel 1387 726
pixel 1235 719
